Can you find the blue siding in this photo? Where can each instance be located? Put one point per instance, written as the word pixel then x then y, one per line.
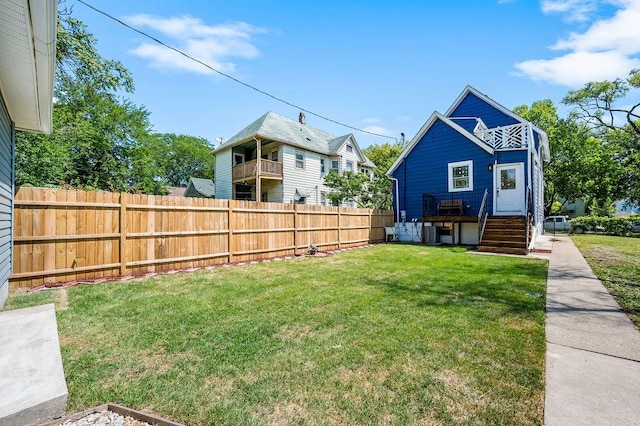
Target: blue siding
pixel 6 199
pixel 425 169
pixel 473 106
pixel 519 156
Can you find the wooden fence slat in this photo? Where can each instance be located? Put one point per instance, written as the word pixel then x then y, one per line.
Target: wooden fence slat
pixel 63 235
pixel 123 233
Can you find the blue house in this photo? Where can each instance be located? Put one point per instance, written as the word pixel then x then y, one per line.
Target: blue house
pixel 473 175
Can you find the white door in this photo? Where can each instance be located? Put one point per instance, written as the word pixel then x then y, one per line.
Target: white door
pixel 509 189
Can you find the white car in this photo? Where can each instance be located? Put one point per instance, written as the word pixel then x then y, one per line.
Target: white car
pixel 557 224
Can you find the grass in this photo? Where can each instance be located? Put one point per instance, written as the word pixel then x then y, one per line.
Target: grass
pixel 393 334
pixel 615 262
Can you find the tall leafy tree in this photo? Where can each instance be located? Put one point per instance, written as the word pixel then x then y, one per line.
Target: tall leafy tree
pixel 184 157
pixel 383 155
pixel 612 111
pixel 581 166
pixel 94 128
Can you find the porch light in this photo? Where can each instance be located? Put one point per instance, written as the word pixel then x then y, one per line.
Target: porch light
pixel 490 167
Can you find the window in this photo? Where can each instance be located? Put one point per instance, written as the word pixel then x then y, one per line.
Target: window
pixel 349 166
pixel 334 165
pixel 238 158
pixel 299 159
pixel 461 176
pixel 349 148
pixel 322 170
pixel 323 198
pixel 264 197
pixel 274 155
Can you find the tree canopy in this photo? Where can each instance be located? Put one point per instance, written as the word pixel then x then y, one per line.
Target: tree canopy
pixel 100 139
pixel 595 149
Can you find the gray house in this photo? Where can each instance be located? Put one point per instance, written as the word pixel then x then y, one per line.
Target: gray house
pixel 27 64
pixel 281 160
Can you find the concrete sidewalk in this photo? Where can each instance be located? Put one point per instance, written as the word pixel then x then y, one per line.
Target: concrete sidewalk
pixel 593 349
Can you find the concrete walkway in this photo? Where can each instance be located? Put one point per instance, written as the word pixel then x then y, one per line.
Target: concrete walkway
pixel 32 385
pixel 593 349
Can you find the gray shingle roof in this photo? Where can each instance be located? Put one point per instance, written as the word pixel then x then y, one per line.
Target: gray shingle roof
pixel 275 127
pixel 199 187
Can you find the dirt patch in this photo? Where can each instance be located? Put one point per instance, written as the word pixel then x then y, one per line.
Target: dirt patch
pixel 295 334
pixel 287 413
pixel 459 390
pixel 607 256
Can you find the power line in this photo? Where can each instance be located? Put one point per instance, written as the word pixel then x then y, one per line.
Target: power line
pixel 160 42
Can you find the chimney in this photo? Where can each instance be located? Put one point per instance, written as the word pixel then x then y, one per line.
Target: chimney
pixel 301 118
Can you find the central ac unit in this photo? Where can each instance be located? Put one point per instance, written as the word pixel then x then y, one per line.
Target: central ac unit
pixel 430 234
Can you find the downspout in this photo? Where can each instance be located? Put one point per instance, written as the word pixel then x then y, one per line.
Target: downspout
pixel 397 200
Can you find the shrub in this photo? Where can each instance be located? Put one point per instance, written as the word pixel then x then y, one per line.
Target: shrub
pixel 603 224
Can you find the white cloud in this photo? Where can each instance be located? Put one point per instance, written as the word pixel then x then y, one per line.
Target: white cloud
pixel 214 45
pixel 620 33
pixel 575 69
pixel 378 129
pixel 574 10
pixel 608 49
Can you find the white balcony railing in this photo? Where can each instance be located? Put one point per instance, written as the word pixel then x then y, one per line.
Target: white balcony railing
pixel 506 137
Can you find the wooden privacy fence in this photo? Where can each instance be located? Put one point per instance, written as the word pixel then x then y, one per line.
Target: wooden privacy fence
pixel 62 236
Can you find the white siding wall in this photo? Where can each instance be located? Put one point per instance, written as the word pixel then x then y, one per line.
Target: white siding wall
pixel 348 156
pixel 308 179
pixel 223 176
pixel 7 149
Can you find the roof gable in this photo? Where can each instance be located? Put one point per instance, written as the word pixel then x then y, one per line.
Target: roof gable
pixel 423 131
pixel 509 116
pixel 278 128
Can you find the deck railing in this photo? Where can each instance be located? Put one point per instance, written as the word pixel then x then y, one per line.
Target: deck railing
pixel 506 137
pixel 247 170
pixel 483 213
pixel 470 201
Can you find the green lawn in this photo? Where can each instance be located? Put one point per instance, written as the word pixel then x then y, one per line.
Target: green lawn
pixel 616 261
pixel 392 334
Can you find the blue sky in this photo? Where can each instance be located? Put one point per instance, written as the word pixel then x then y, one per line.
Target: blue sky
pixel 379 66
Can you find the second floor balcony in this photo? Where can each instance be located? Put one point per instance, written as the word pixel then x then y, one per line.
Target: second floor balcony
pixel 506 137
pixel 247 171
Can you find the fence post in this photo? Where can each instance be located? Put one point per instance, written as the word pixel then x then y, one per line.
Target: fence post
pixel 339 228
pixel 49 230
pixel 230 233
pixel 295 229
pixel 123 234
pixel 370 224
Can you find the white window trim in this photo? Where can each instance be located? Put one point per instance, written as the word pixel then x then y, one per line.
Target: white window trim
pixel 349 163
pixel 296 159
pixel 450 168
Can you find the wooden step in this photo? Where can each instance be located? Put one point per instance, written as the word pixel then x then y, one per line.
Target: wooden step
pixel 504 236
pixel 503 250
pixel 496 243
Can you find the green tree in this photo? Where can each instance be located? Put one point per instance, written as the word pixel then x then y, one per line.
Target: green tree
pixel 101 140
pixel 383 156
pixel 184 157
pixel 606 109
pixel 581 166
pixel 365 190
